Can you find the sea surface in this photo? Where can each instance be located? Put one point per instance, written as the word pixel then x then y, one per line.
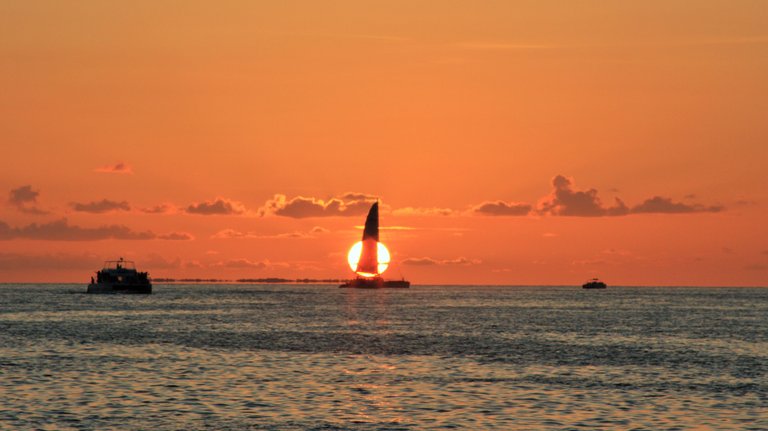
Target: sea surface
pixel 315 357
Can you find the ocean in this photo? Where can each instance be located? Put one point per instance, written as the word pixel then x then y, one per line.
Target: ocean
pixel 315 357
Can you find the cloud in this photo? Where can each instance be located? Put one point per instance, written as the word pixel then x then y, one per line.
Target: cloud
pixel 349 204
pixel 658 204
pixel 564 201
pixel 176 236
pixel 48 261
pixel 501 208
pixel 235 234
pixel 102 206
pixel 117 168
pixel 25 200
pixel 23 195
pixel 247 263
pixel 61 230
pixel 154 261
pixel 428 261
pixel 410 211
pixel 159 209
pixel 219 206
pixel 355 196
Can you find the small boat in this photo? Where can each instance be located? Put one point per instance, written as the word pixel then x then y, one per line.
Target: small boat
pixel 120 276
pixel 368 275
pixel 594 284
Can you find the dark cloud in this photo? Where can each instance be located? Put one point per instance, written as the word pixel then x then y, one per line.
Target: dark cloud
pixel 176 236
pixel 23 195
pixel 428 261
pixel 564 201
pixel 658 204
pixel 117 168
pixel 25 200
pixel 304 207
pixel 352 196
pixel 61 230
pixel 219 206
pixel 501 208
pixel 102 206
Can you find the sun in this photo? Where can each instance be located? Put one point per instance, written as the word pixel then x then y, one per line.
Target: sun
pixel 354 256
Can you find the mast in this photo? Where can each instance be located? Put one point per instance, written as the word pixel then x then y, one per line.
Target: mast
pixel 369 256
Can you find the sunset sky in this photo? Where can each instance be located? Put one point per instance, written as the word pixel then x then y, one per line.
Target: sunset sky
pixel 509 142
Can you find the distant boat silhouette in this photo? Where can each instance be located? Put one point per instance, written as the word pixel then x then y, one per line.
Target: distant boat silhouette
pixel 594 284
pixel 367 270
pixel 120 276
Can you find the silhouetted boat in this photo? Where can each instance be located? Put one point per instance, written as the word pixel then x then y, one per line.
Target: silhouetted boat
pixel 368 264
pixel 594 284
pixel 375 283
pixel 120 276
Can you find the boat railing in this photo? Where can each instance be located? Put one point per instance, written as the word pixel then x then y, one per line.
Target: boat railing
pixel 119 264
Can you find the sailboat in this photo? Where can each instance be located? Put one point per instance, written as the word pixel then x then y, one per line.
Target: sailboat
pixel 368 267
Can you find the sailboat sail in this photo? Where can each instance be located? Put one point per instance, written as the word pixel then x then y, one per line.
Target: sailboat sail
pixel 369 256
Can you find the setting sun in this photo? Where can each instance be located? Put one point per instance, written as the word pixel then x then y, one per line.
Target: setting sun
pixel 354 256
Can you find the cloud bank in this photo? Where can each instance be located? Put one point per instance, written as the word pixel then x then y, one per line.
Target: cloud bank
pixel 348 204
pixel 501 208
pixel 428 261
pixel 100 207
pixel 566 200
pixel 219 206
pixel 61 230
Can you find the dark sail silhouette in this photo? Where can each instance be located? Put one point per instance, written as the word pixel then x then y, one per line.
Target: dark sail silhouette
pixel 367 269
pixel 369 256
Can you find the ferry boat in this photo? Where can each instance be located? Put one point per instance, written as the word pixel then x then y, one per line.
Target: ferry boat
pixel 120 276
pixel 594 284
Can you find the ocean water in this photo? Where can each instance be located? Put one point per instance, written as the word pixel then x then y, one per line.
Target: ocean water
pixel 315 357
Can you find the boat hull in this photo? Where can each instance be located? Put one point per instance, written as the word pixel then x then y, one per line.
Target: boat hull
pixel 594 285
pixel 120 288
pixel 375 283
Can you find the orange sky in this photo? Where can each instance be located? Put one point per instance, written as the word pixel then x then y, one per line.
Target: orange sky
pixel 498 134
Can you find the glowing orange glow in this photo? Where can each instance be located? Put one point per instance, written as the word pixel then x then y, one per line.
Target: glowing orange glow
pixel 354 256
pixel 504 146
